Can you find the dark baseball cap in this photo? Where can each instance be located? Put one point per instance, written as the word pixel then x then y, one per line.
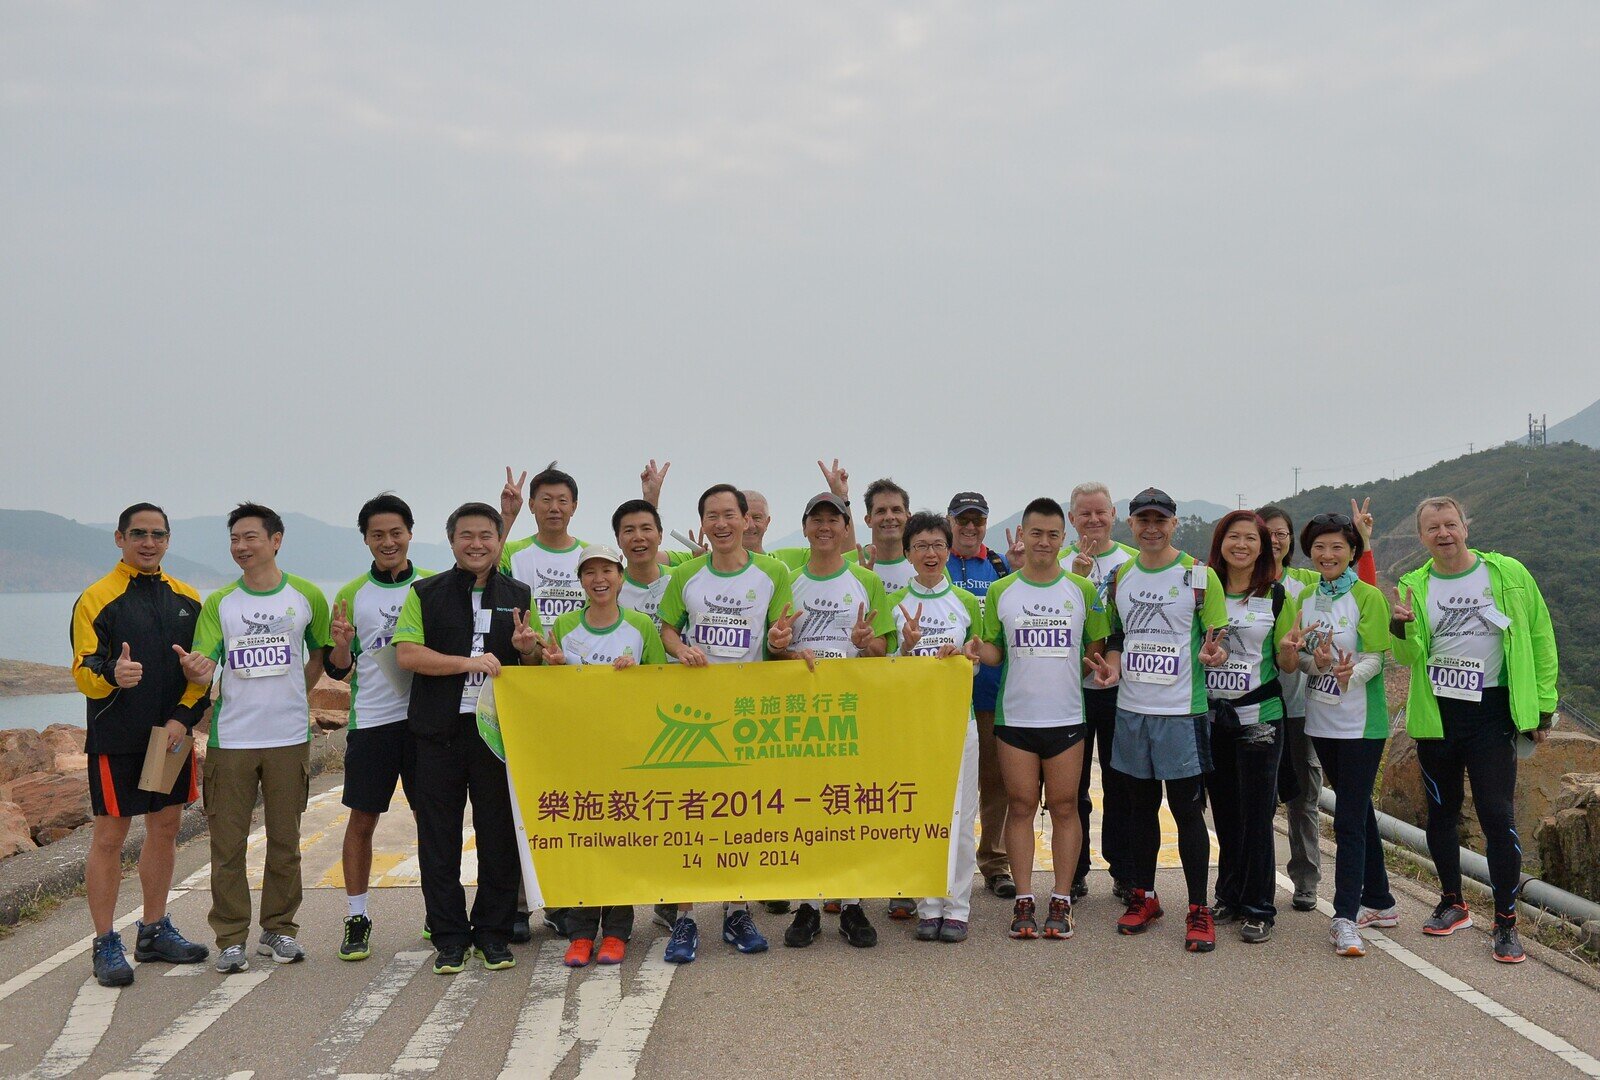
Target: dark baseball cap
pixel 967 501
pixel 827 498
pixel 1153 499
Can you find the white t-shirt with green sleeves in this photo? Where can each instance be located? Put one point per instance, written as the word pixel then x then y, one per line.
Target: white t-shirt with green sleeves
pixel 1468 646
pixel 1359 622
pixel 1164 616
pixel 895 574
pixel 726 615
pixel 1252 639
pixel 1041 630
pixel 551 574
pixel 831 603
pixel 261 640
pixel 950 616
pixel 631 635
pixel 645 599
pixel 374 608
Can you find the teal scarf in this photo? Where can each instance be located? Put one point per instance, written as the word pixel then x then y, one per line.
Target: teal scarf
pixel 1339 585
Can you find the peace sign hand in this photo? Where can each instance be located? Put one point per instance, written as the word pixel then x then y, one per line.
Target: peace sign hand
pixel 838 479
pixel 1344 669
pixel 1295 637
pixel 1104 671
pixel 1082 565
pixel 910 629
pixel 1362 516
pixel 1403 611
pixel 867 556
pixel 1214 651
pixel 697 540
pixel 340 628
pixel 781 633
pixel 552 650
pixel 1322 655
pixel 1014 549
pixel 511 494
pixel 651 479
pixel 524 638
pixel 127 672
pixel 197 667
pixel 861 634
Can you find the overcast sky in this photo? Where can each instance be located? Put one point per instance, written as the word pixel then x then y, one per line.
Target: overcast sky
pixel 301 253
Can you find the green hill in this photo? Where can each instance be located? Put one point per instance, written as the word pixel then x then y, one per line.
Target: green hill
pixel 1539 506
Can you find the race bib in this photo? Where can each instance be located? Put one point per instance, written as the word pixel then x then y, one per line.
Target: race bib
pixel 826 652
pixel 1456 677
pixel 255 656
pixel 471 689
pixel 1233 679
pixel 555 601
pixel 1151 662
pixel 721 634
pixel 932 643
pixel 1042 635
pixel 1325 688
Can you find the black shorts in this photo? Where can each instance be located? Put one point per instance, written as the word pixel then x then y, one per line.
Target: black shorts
pixel 374 758
pixel 1045 742
pixel 114 787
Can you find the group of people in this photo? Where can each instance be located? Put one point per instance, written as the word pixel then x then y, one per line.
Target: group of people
pixel 1238 679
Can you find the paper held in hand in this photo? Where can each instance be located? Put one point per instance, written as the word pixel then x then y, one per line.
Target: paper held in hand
pixel 389 664
pixel 162 766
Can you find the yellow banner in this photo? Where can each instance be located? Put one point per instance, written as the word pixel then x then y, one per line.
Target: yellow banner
pixel 667 784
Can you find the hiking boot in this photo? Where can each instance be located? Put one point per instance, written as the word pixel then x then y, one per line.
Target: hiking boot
pixel 804 929
pixel 1143 909
pixel 856 928
pixel 1058 921
pixel 1003 886
pixel 1023 925
pixel 1200 929
pixel 111 967
pixel 161 941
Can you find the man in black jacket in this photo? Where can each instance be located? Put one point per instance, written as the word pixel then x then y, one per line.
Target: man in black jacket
pixel 124 628
pixel 456 630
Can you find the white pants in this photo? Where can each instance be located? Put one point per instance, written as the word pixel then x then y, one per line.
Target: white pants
pixel 963 840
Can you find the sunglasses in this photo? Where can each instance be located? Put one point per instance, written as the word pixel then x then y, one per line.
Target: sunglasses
pixel 1338 521
pixel 147 534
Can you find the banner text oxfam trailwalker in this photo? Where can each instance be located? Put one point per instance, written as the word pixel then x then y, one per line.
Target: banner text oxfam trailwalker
pixel 673 784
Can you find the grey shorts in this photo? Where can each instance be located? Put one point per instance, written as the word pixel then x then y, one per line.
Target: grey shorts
pixel 1161 747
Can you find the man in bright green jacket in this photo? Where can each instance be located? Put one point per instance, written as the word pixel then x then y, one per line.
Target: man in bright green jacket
pixel 1474 630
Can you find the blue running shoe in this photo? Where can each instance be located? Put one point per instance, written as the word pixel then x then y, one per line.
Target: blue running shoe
pixel 111 967
pixel 161 941
pixel 684 943
pixel 739 930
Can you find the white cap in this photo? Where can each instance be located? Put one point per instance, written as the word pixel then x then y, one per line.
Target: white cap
pixel 600 551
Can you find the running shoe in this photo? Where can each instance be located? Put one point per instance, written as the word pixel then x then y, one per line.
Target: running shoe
pixel 856 927
pixel 232 960
pixel 1451 915
pixel 684 943
pixel 1143 909
pixel 1023 925
pixel 111 967
pixel 1507 946
pixel 902 908
pixel 611 951
pixel 952 931
pixel 1254 930
pixel 1305 900
pixel 1200 929
pixel 832 907
pixel 449 959
pixel 579 953
pixel 739 930
pixel 427 931
pixel 1383 920
pixel 283 948
pixel 1003 886
pixel 496 956
pixel 804 929
pixel 1222 911
pixel 357 943
pixel 1058 921
pixel 928 929
pixel 161 941
pixel 1346 938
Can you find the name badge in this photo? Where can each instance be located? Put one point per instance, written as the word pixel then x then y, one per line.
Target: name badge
pixel 1261 605
pixel 1456 677
pixel 1152 662
pixel 1325 688
pixel 1323 603
pixel 256 656
pixel 1196 576
pixel 1042 635
pixel 1233 679
pixel 723 634
pixel 481 620
pixel 1494 615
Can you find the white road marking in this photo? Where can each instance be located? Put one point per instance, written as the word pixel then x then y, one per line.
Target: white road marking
pixel 364 1012
pixel 86 1024
pixel 184 970
pixel 429 1042
pixel 631 1021
pixel 154 1054
pixel 598 996
pixel 246 1075
pixel 538 1043
pixel 1540 1037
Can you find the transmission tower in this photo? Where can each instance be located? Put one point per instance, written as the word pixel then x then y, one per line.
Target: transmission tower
pixel 1536 429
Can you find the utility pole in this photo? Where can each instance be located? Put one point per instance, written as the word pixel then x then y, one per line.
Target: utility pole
pixel 1241 500
pixel 1297 479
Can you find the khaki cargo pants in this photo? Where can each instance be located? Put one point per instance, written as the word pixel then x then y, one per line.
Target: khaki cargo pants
pixel 282 776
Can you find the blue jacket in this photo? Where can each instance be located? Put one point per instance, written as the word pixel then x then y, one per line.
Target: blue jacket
pixel 975 575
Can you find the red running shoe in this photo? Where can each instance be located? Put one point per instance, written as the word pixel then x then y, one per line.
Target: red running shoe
pixel 1201 935
pixel 612 950
pixel 1143 909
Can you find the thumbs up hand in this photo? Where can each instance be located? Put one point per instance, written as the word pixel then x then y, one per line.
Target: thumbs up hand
pixel 128 672
pixel 197 667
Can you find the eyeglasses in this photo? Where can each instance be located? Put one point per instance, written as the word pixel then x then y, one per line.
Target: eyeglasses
pixel 1338 521
pixel 925 548
pixel 1280 534
pixel 148 534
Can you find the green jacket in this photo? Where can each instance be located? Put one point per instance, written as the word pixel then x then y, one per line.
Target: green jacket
pixel 1530 647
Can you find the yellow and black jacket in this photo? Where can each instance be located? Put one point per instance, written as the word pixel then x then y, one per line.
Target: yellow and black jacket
pixel 152 613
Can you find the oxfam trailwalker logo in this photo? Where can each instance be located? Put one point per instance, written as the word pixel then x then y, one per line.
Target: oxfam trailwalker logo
pixel 764 727
pixel 688 740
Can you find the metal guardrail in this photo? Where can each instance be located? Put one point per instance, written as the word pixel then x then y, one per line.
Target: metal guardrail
pixel 1583 719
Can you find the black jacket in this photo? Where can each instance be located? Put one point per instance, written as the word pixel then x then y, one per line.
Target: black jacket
pixel 446 604
pixel 151 613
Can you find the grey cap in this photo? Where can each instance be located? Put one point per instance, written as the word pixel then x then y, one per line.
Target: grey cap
pixel 827 498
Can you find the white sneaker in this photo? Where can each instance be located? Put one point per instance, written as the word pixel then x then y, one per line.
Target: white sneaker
pixel 1389 916
pixel 232 960
pixel 281 947
pixel 1346 938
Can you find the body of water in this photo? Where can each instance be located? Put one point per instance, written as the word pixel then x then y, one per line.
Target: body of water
pixel 38 627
